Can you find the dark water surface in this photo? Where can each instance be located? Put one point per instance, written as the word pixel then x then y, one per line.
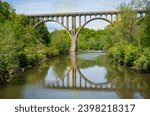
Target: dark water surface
pixel 87 75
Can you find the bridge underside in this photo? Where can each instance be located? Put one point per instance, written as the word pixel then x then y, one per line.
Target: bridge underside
pixel 71 21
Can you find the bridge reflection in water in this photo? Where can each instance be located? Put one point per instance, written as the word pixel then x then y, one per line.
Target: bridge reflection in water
pixel 75 80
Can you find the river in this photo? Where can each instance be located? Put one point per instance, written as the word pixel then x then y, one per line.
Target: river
pixel 82 76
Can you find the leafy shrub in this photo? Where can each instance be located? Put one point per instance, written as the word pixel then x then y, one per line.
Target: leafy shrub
pixel 143 61
pixel 52 51
pixel 60 42
pixel 23 60
pixel 130 54
pixel 117 53
pixel 34 54
pixel 8 49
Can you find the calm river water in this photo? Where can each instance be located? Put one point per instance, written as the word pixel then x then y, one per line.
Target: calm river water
pixel 86 75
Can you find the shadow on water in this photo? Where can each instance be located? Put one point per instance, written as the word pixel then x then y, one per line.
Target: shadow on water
pixel 86 75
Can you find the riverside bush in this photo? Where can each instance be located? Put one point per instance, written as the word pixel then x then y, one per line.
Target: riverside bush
pixel 143 61
pixel 131 53
pixel 117 53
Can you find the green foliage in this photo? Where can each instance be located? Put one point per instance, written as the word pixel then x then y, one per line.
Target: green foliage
pixel 130 54
pixel 8 58
pixel 22 20
pixel 94 40
pixel 143 61
pixel 35 54
pixel 60 42
pixel 125 27
pixel 4 11
pixel 43 34
pixel 145 39
pixel 117 53
pixel 19 43
pixel 52 51
pixel 8 48
pixel 133 40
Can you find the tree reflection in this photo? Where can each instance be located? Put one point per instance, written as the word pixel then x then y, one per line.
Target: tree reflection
pixel 145 86
pixel 123 81
pixel 60 65
pixel 127 82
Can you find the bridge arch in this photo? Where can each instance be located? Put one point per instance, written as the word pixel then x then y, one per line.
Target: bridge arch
pixel 86 79
pixel 50 20
pixel 97 18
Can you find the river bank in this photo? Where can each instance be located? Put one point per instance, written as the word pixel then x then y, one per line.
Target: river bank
pixel 41 81
pixel 9 75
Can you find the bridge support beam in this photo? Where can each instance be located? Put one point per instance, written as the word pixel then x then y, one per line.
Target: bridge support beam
pixel 73 35
pixel 73 44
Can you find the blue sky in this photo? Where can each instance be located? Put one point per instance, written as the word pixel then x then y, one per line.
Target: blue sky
pixel 53 6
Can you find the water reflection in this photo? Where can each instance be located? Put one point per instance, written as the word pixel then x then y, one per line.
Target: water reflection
pixel 94 73
pixel 86 75
pixel 74 78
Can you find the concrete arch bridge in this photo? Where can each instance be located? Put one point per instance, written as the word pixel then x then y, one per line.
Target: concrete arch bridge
pixel 72 20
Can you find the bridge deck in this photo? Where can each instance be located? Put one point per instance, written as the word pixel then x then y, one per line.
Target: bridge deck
pixel 76 13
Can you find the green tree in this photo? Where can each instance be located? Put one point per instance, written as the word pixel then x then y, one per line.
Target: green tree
pixel 60 42
pixel 8 48
pixel 43 34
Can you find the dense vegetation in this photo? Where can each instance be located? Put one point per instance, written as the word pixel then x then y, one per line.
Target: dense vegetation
pixel 21 46
pixel 133 38
pixel 128 41
pixel 90 39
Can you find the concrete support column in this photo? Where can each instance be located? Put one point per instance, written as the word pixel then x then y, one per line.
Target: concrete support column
pixel 62 20
pixel 73 25
pixel 73 44
pixel 90 17
pixel 67 22
pixel 84 18
pixel 141 14
pixel 79 21
pixel 57 19
pixel 73 34
pixel 111 18
pixel 117 17
pixel 52 18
